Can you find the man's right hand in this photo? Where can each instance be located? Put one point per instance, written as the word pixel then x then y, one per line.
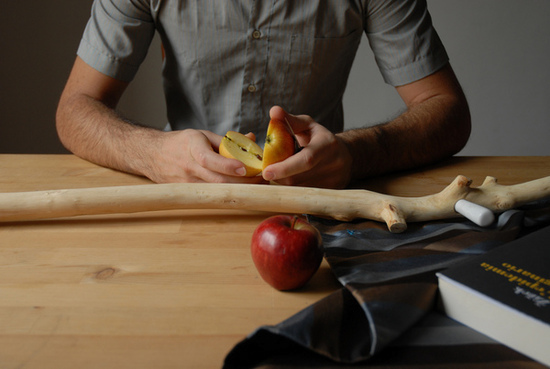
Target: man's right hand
pixel 89 126
pixel 192 156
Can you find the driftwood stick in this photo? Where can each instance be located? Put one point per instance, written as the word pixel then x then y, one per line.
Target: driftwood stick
pixel 345 205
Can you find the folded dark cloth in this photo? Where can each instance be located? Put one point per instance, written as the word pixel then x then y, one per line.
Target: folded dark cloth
pixel 389 288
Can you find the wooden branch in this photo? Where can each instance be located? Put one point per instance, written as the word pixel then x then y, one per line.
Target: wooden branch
pixel 343 205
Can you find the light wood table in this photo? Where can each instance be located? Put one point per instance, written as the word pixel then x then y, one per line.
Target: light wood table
pixel 170 289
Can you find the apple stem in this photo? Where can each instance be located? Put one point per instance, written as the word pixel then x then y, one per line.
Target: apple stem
pixel 294 219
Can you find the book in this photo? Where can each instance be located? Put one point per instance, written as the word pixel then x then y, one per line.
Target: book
pixel 505 294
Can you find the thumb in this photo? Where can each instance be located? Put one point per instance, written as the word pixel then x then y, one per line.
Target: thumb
pixel 277 113
pixel 298 123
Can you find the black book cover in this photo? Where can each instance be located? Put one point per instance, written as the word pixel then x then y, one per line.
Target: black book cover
pixel 505 294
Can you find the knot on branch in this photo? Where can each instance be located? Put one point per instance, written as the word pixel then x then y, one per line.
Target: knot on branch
pixel 394 218
pixel 489 181
pixel 462 181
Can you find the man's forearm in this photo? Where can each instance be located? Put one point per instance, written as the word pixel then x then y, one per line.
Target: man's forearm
pixel 427 132
pixel 95 132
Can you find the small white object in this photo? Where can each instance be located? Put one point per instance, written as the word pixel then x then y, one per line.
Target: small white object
pixel 476 213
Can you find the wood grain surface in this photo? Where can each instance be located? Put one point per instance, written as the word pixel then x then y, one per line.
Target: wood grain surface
pixel 169 289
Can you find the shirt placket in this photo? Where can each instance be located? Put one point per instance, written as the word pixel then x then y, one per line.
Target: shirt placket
pixel 256 58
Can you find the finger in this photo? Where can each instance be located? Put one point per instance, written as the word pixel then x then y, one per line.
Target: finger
pixel 298 163
pixel 214 139
pixel 251 135
pixel 214 177
pixel 202 173
pixel 214 162
pixel 204 156
pixel 276 112
pixel 300 124
pixel 221 164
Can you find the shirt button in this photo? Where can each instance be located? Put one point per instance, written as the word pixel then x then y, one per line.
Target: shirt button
pixel 256 34
pixel 251 88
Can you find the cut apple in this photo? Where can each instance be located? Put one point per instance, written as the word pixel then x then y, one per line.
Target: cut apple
pixel 235 145
pixel 280 143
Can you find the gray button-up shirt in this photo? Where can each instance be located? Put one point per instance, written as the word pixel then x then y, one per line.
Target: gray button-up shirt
pixel 227 62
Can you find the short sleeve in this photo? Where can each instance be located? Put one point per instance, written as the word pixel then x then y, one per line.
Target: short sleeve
pixel 117 37
pixel 405 44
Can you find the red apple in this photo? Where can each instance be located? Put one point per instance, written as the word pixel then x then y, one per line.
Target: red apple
pixel 287 251
pixel 280 143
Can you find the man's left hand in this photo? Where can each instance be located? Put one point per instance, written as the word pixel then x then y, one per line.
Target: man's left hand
pixel 325 160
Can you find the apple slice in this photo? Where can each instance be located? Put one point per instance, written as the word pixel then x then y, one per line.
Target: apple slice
pixel 280 142
pixel 235 145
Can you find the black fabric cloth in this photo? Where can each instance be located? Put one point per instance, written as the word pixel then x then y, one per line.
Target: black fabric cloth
pixel 389 289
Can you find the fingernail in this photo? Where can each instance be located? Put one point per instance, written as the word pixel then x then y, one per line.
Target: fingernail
pixel 268 176
pixel 240 171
